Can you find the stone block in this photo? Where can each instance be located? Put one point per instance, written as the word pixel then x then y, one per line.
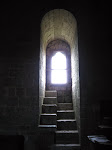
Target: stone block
pixel 49 108
pixel 10 101
pixel 28 101
pixel 32 91
pixel 50 100
pixel 65 114
pixel 12 92
pixel 50 93
pixel 66 124
pixel 20 92
pixel 64 106
pixel 48 119
pixel 67 137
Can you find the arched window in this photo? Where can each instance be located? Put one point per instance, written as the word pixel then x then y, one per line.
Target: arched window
pixel 58 69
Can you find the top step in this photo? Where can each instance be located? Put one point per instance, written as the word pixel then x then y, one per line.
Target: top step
pixel 50 93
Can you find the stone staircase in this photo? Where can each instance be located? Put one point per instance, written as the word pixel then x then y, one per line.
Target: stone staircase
pixel 67 137
pixel 48 118
pixel 60 116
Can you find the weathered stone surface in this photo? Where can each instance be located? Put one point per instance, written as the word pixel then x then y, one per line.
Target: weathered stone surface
pixel 64 106
pixel 50 93
pixel 65 114
pixel 50 100
pixel 48 119
pixel 67 137
pixel 49 108
pixel 66 124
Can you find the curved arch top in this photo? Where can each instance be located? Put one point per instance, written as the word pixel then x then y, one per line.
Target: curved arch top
pixel 58 24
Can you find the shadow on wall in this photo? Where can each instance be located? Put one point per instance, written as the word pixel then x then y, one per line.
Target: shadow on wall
pixel 11 142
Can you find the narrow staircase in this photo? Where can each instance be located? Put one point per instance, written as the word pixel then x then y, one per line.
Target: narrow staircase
pixel 48 118
pixel 67 137
pixel 60 116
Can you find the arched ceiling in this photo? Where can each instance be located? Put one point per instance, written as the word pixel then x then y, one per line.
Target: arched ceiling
pixel 58 24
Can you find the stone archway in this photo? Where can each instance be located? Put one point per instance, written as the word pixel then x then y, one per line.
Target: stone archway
pixel 60 24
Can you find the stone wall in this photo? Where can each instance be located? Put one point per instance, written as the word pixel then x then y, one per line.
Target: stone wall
pixel 76 82
pixel 94 69
pixel 42 77
pixel 19 91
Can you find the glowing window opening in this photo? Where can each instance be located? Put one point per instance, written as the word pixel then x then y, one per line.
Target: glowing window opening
pixel 58 69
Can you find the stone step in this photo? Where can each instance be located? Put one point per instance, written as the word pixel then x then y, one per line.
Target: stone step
pixel 64 99
pixel 47 127
pixel 105 127
pixel 65 114
pixel 66 147
pixel 50 93
pixel 50 100
pixel 48 119
pixel 107 121
pixel 66 124
pixel 105 130
pixel 49 108
pixel 64 106
pixel 67 137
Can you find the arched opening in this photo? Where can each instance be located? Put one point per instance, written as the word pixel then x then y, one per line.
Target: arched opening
pixel 59 37
pixel 58 52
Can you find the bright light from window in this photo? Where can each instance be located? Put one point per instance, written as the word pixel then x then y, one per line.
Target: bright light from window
pixel 58 77
pixel 58 61
pixel 58 69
